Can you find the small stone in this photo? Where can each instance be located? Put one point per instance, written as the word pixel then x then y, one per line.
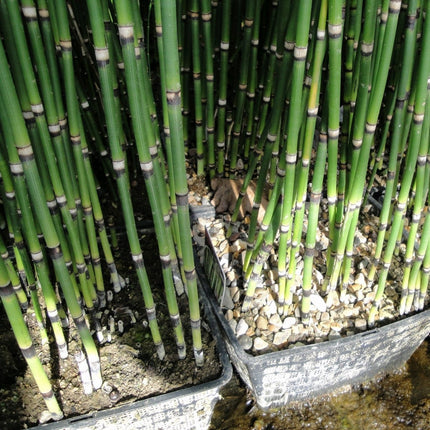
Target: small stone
pixel 293 338
pixel 289 322
pixel 333 335
pixel 318 276
pixel 260 344
pixel 45 416
pixel 322 242
pixel 386 313
pixel 245 342
pixel 276 321
pixel 318 302
pixel 359 238
pixel 359 295
pixel 296 345
pixel 260 295
pixel 199 239
pixel 325 316
pixel 233 324
pixel 354 287
pixel 350 298
pixel 265 311
pixel 360 280
pixel 325 326
pixel 333 315
pixel 231 276
pixel 224 261
pixel 332 299
pixel 233 291
pixel 236 297
pixel 229 315
pixel 250 332
pixel 361 324
pixel 349 312
pixel 370 297
pixel 363 264
pixel 272 307
pixel 298 329
pixel 106 387
pixel 281 338
pixel 114 395
pixel 241 328
pixel 336 326
pixel 261 323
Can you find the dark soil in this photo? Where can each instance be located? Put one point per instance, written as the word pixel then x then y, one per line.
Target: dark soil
pixel 129 363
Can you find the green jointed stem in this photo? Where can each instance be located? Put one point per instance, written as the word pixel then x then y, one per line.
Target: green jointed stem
pixel 145 141
pixel 252 85
pixel 99 220
pixel 425 274
pixel 242 84
pixel 358 175
pixel 23 338
pixel 17 287
pixel 119 165
pixel 410 164
pixel 169 205
pixel 302 181
pixel 408 284
pixel 193 18
pixel 206 18
pixel 173 95
pixel 267 140
pixel 222 88
pixel 398 126
pixel 32 240
pixel 293 129
pixel 29 169
pixel 9 201
pixel 45 139
pixel 357 132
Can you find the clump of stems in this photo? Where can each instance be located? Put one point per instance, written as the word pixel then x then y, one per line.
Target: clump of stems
pixel 341 100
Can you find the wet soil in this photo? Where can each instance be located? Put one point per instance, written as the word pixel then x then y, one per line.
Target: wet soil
pixel 130 367
pixel 397 401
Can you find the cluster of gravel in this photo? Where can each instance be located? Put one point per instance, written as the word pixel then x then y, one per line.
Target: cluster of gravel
pixel 266 326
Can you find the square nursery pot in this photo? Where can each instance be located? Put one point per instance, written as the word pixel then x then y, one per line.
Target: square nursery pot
pixel 300 373
pixel 184 409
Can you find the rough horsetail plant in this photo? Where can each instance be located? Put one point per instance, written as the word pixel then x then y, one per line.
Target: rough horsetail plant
pixel 340 111
pixel 50 131
pixel 315 104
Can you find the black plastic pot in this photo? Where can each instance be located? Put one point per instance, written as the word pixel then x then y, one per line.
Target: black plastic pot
pixel 277 378
pixel 185 409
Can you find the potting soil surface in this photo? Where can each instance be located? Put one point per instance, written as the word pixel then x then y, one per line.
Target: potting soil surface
pixel 130 367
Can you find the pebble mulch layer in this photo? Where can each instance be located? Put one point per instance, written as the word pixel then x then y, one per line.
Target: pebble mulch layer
pixel 264 327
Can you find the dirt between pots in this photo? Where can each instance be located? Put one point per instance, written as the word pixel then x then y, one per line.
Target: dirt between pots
pixel 130 367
